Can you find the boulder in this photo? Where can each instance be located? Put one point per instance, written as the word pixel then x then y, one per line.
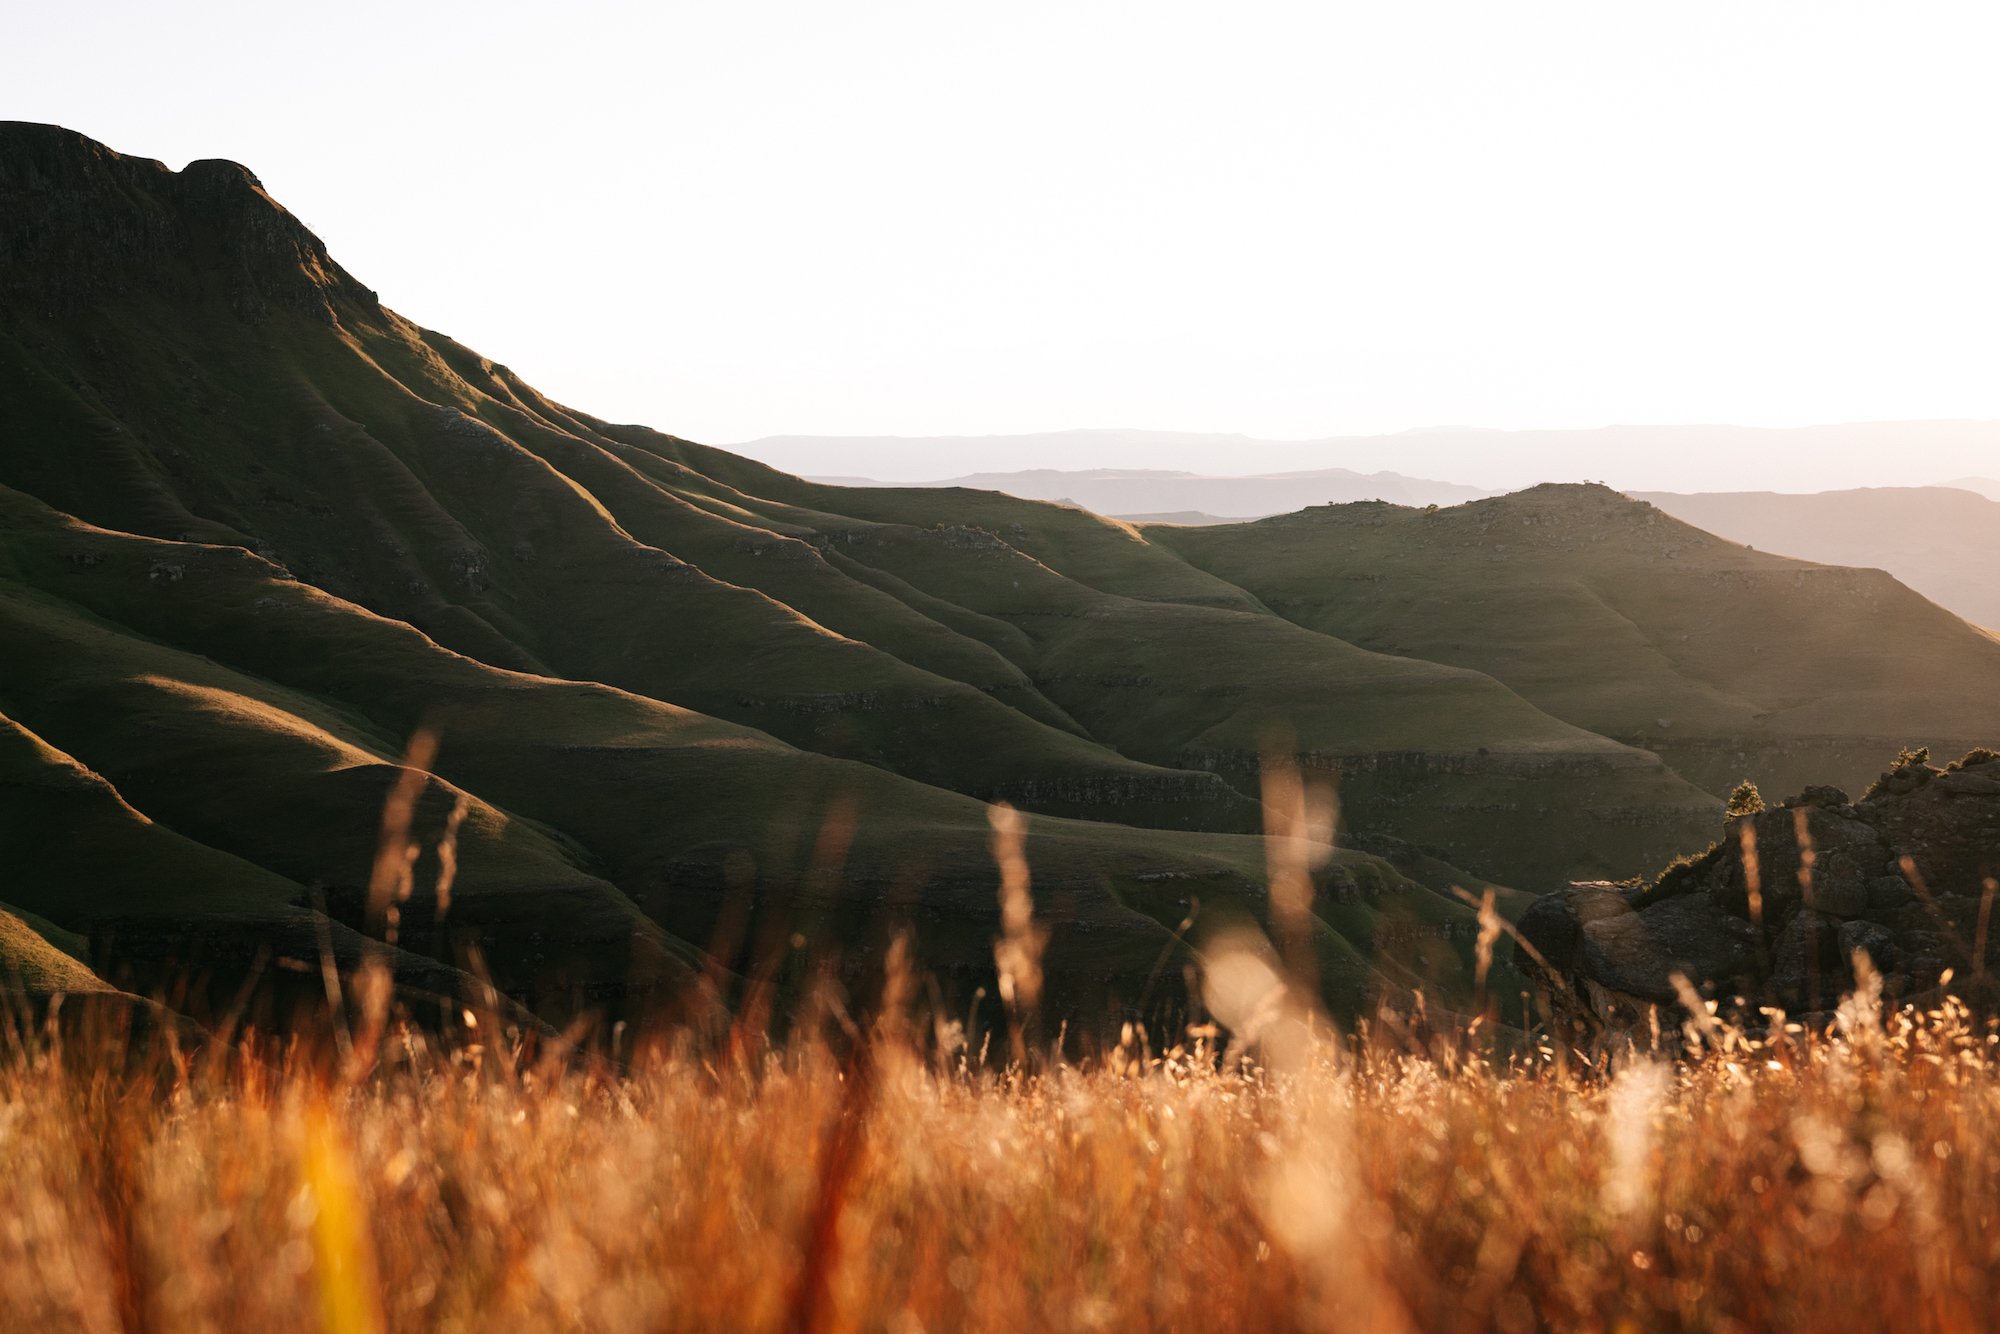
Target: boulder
pixel 1969 785
pixel 1832 881
pixel 1876 941
pixel 1552 927
pixel 1808 967
pixel 1889 895
pixel 1830 798
pixel 1838 883
pixel 1637 952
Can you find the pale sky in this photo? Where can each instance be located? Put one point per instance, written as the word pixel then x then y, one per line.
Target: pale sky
pixel 732 220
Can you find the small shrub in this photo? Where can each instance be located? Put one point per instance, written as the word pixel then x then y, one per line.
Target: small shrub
pixel 1906 758
pixel 1745 800
pixel 1680 871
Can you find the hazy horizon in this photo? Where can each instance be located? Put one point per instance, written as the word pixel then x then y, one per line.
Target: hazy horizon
pixel 1668 457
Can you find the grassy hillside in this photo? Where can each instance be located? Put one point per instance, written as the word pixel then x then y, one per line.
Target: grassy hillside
pixel 32 962
pixel 600 832
pixel 1177 667
pixel 963 639
pixel 1608 613
pixel 95 881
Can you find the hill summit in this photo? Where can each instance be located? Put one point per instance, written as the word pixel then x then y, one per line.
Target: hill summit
pixel 85 222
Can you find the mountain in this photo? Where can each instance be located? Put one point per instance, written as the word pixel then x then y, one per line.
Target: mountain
pixel 259 530
pixel 1114 491
pixel 1610 614
pixel 1941 541
pixel 1631 457
pixel 261 538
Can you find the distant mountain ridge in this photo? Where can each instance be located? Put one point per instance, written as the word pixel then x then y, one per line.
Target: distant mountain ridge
pixel 1985 486
pixel 1944 542
pixel 1677 458
pixel 1127 491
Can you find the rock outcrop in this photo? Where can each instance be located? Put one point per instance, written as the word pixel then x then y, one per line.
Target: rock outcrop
pixel 1776 912
pixel 79 223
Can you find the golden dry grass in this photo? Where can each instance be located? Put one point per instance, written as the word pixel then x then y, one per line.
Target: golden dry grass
pixel 1843 1181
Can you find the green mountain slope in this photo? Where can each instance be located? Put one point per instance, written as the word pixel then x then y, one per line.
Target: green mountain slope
pixel 256 720
pixel 237 388
pixel 1608 613
pixel 83 866
pixel 1174 666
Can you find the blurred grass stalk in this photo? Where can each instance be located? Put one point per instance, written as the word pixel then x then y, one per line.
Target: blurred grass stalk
pixel 1845 1179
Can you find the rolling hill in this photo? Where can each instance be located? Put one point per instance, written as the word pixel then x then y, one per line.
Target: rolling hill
pixel 1609 613
pixel 257 531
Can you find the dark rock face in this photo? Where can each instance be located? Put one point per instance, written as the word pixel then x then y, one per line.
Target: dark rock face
pixel 1777 910
pixel 78 221
pixel 1637 953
